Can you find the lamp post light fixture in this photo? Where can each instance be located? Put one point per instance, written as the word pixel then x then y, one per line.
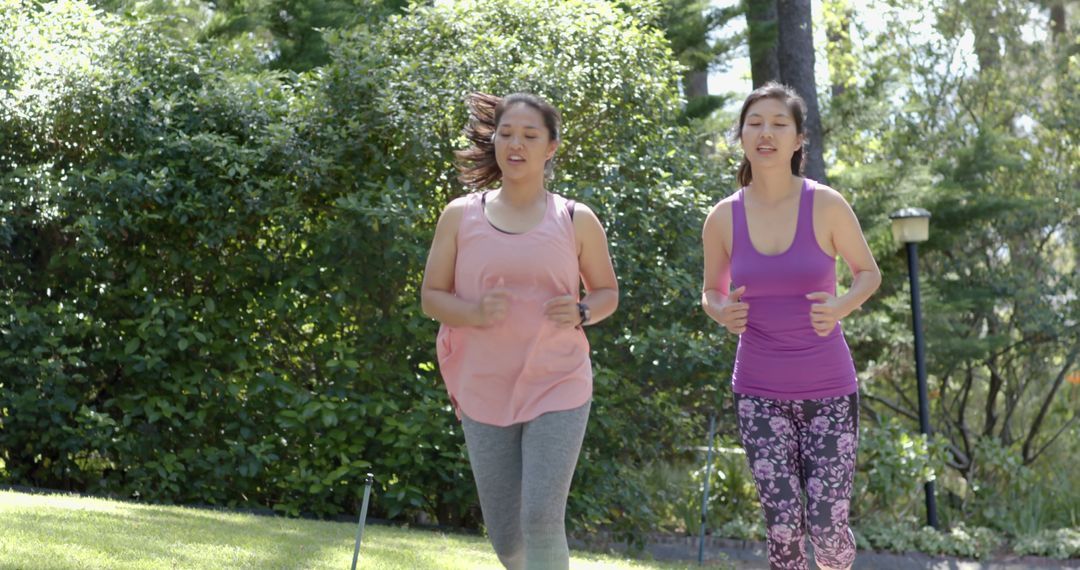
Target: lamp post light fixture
pixel 910 226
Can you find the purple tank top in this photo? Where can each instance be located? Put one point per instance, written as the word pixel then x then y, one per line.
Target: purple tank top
pixel 779 355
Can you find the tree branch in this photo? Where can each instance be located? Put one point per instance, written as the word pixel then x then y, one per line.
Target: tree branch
pixel 996 382
pixel 960 460
pixel 899 391
pixel 1014 403
pixel 894 407
pixel 969 381
pixel 1063 429
pixel 1037 424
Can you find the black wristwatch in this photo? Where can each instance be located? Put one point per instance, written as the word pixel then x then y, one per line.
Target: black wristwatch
pixel 584 313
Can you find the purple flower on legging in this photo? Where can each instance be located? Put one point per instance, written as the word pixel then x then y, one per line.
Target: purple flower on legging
pixel 839 511
pixel 814 487
pixel 763 469
pixel 746 408
pixel 846 443
pixel 778 425
pixel 819 424
pixel 780 533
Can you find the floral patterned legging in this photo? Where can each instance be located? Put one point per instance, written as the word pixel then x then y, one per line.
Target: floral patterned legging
pixel 796 447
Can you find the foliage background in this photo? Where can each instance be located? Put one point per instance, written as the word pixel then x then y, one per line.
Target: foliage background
pixel 213 225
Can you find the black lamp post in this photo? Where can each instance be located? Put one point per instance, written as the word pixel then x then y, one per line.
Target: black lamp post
pixel 911 226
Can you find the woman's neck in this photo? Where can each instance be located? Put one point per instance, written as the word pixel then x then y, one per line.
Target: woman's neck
pixel 775 186
pixel 521 194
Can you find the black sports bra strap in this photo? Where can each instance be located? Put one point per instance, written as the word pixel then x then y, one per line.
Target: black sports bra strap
pixel 569 204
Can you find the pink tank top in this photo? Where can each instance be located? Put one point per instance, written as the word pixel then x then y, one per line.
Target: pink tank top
pixel 524 366
pixel 779 355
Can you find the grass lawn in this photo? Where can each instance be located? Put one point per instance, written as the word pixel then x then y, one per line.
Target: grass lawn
pixel 54 532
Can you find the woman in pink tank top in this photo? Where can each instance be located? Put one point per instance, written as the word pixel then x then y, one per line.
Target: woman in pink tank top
pixel 770 277
pixel 504 277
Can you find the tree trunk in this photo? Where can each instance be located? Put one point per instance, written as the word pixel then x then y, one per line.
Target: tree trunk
pixel 762 32
pixel 987 41
pixel 795 51
pixel 1057 22
pixel 696 84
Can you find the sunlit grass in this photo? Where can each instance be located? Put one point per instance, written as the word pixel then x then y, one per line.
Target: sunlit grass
pixel 55 531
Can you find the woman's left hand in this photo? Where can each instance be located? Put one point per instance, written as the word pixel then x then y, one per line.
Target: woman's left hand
pixel 563 311
pixel 825 313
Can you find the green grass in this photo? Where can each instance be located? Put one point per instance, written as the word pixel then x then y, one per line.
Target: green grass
pixel 54 531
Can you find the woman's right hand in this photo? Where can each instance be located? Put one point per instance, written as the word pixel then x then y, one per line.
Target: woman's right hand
pixel 492 308
pixel 732 312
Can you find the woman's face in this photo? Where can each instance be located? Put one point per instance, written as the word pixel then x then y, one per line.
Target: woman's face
pixel 522 143
pixel 769 137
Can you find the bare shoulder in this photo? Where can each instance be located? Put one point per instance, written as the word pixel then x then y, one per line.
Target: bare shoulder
pixel 833 206
pixel 831 199
pixel 457 204
pixel 582 209
pixel 454 210
pixel 587 224
pixel 450 218
pixel 720 214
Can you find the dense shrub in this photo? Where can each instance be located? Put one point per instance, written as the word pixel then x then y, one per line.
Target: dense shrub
pixel 169 333
pixel 1062 543
pixel 960 540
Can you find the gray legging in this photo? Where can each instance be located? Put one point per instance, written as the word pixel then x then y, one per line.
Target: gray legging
pixel 523 474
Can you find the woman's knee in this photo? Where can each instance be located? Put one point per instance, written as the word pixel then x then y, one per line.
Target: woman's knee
pixel 834 547
pixel 512 560
pixel 509 547
pixel 541 517
pixel 785 534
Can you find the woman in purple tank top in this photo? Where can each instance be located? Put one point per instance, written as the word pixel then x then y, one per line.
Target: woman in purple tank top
pixel 770 277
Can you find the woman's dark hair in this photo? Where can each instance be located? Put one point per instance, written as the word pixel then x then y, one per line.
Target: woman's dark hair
pixel 795 104
pixel 477 163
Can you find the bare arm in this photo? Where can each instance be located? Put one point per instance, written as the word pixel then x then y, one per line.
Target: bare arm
pixel 597 273
pixel 437 298
pixel 720 304
pixel 848 240
pixel 850 244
